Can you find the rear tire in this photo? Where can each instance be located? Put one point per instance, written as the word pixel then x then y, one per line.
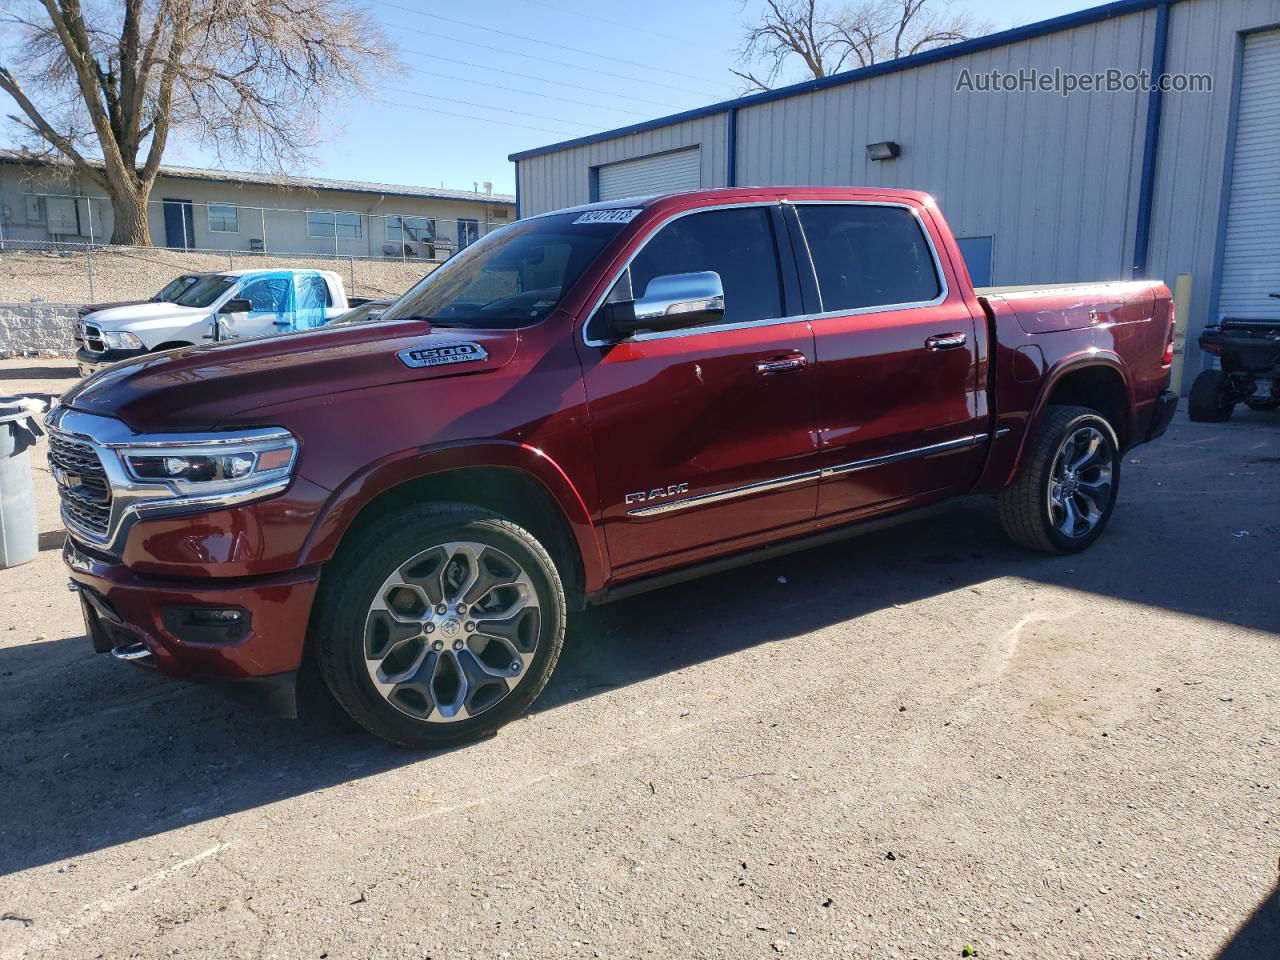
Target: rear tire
pixel 1063 497
pixel 439 624
pixel 1210 400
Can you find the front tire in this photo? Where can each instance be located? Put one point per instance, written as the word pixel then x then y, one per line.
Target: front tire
pixel 1210 400
pixel 439 624
pixel 1063 497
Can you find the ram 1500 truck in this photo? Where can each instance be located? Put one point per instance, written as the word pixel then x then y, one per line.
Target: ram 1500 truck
pixel 216 306
pixel 580 406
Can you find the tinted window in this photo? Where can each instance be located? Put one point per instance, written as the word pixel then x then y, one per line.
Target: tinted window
pixel 868 256
pixel 737 244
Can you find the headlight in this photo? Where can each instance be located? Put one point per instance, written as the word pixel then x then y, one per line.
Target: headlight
pixel 120 340
pixel 209 467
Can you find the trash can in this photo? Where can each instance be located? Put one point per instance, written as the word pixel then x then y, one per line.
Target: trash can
pixel 19 431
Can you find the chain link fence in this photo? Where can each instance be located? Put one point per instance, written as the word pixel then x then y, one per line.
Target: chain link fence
pixel 49 272
pixel 52 247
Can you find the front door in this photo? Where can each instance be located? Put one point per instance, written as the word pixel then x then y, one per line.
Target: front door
pixel 902 414
pixel 179 224
pixel 705 437
pixel 271 308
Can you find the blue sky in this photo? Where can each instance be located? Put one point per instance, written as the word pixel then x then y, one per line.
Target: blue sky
pixel 488 77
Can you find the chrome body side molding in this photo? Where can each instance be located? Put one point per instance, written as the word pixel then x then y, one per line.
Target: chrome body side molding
pixel 791 480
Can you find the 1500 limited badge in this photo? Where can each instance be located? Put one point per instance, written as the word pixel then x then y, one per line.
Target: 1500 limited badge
pixel 440 354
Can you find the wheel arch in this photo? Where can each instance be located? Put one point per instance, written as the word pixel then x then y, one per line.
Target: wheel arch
pixel 517 481
pixel 1096 379
pixel 171 345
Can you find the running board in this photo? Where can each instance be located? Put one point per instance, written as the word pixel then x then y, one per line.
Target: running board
pixel 720 564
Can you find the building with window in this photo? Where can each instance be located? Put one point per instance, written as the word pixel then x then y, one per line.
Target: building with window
pixel 1133 177
pixel 191 208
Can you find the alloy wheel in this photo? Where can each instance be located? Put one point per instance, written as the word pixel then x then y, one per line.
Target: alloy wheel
pixel 1080 483
pixel 452 632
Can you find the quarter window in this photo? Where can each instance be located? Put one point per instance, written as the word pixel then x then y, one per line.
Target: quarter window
pixel 224 218
pixel 737 243
pixel 868 256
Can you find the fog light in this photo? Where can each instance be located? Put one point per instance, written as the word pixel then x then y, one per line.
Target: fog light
pixel 207 624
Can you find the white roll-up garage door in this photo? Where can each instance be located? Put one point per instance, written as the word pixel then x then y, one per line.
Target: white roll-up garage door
pixel 663 173
pixel 1251 255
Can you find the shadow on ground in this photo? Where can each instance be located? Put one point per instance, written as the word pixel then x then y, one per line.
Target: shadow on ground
pixel 64 372
pixel 157 754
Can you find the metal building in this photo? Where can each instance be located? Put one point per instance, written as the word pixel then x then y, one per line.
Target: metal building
pixel 1041 187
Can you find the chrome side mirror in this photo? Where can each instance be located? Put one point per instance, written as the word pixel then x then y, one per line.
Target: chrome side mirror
pixel 670 301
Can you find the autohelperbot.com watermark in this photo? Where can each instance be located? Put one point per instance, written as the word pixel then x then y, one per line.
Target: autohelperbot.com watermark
pixel 1066 82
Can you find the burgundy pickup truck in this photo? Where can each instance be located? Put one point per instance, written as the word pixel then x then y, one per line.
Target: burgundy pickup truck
pixel 578 407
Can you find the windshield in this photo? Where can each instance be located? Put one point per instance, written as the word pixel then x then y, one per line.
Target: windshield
pixel 204 291
pixel 510 278
pixel 365 312
pixel 175 287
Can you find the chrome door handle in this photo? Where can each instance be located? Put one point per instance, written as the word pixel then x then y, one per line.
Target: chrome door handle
pixel 793 361
pixel 946 341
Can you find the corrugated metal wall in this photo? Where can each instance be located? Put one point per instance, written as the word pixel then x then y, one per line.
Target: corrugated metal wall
pixel 1190 208
pixel 1054 180
pixel 1051 178
pixel 563 178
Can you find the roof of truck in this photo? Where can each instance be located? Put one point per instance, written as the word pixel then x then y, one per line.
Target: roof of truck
pixel 246 272
pixel 734 194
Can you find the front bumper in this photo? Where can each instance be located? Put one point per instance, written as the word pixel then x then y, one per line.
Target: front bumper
pixel 89 362
pixel 125 614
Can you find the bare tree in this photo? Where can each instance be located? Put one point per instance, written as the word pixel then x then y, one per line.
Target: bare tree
pixel 119 78
pixel 828 40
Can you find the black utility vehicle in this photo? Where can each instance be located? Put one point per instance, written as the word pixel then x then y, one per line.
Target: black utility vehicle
pixel 1248 353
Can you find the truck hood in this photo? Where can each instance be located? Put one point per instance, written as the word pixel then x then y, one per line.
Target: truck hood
pixel 134 316
pixel 199 388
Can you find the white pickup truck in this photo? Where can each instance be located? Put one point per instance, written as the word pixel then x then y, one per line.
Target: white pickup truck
pixel 237 303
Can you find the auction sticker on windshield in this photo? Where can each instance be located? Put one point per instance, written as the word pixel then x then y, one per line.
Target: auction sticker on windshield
pixel 608 216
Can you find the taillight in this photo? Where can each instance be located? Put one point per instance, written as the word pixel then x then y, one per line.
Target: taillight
pixel 1167 359
pixel 1214 348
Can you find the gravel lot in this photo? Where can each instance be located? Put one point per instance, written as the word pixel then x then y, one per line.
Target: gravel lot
pixel 901 746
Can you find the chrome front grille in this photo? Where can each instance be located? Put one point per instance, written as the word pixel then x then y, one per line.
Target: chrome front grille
pixel 82 483
pixel 93 338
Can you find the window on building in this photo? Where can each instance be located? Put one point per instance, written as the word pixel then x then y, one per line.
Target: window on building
pixel 410 229
pixel 977 257
pixel 737 244
pixel 868 256
pixel 501 213
pixel 224 218
pixel 334 223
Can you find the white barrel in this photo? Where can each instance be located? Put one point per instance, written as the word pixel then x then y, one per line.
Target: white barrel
pixel 19 531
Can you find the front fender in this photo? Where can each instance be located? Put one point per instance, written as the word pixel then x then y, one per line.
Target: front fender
pixel 359 490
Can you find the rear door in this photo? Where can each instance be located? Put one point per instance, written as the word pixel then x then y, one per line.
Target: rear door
pixel 898 401
pixel 705 437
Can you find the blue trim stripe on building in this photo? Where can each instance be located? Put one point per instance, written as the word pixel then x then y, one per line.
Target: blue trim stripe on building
pixel 1151 143
pixel 1068 21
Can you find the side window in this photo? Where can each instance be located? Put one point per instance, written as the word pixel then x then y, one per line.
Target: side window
pixel 867 256
pixel 317 291
pixel 266 296
pixel 738 244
